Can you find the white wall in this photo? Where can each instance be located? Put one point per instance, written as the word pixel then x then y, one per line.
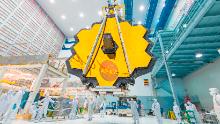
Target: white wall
pixel 162 92
pixel 139 89
pixel 178 86
pixel 199 82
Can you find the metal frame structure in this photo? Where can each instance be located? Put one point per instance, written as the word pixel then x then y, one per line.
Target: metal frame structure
pixel 32 62
pixel 167 68
pixel 181 44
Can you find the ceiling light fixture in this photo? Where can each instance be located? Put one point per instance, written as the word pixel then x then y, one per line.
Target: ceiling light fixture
pixel 167 52
pixel 71 29
pixel 81 15
pixel 141 8
pixel 139 22
pixel 173 74
pixel 164 5
pixel 199 55
pixel 219 50
pixel 87 27
pixel 185 25
pixel 158 20
pixel 52 1
pixel 100 13
pixel 63 17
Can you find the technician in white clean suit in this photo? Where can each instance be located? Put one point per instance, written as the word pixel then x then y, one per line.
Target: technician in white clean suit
pixel 34 110
pixel 74 109
pixel 3 103
pixel 216 101
pixel 176 111
pixel 103 106
pixel 134 111
pixel 18 100
pixel 156 111
pixel 46 102
pixel 91 105
pixel 15 103
pixel 192 107
pixel 190 113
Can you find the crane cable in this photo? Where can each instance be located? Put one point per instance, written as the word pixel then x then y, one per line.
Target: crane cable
pixel 122 42
pixel 95 44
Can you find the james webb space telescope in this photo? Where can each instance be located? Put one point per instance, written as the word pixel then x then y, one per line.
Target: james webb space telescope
pixel 111 53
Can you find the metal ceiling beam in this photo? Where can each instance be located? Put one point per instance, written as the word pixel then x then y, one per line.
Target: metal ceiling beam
pixel 191 58
pixel 217 40
pixel 167 39
pixel 191 26
pixel 187 51
pixel 183 63
pixel 167 34
pixel 28 66
pixel 211 16
pixel 208 25
pixel 200 46
pixel 23 60
pixel 181 67
pixel 207 30
pixel 187 60
pixel 157 48
pixel 191 55
pixel 150 14
pixel 176 72
pixel 164 16
pixel 56 71
pixel 214 21
pixel 128 10
pixel 205 35
pixel 190 51
pixel 200 37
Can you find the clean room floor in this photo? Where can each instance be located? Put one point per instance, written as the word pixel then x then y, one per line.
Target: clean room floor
pixel 98 120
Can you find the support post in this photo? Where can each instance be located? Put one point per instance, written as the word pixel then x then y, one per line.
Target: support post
pixel 152 80
pixel 2 72
pixel 63 90
pixel 167 68
pixel 36 87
